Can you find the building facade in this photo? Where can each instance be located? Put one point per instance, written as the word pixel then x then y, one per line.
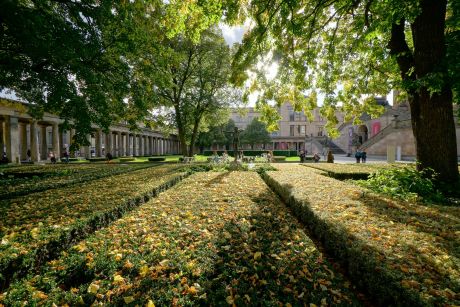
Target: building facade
pixel 20 134
pixel 376 136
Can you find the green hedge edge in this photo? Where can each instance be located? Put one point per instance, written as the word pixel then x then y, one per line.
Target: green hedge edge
pixel 61 185
pixel 382 285
pixel 20 266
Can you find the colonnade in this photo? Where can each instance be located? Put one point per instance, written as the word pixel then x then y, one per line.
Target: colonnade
pixel 25 139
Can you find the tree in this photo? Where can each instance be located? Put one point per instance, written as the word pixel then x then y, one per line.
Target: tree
pixel 191 80
pixel 364 47
pixel 76 58
pixel 255 133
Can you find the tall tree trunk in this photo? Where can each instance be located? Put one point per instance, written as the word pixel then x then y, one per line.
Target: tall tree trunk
pixel 196 125
pixel 431 115
pixel 180 130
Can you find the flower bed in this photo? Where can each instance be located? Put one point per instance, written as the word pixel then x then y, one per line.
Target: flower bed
pixel 215 239
pixel 36 227
pixel 43 178
pixel 403 253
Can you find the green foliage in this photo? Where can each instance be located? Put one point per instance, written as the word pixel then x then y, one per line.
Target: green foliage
pixel 255 133
pixel 286 153
pixel 404 183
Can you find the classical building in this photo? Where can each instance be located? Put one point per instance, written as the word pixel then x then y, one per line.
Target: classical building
pixel 20 133
pixel 295 132
pixel 392 130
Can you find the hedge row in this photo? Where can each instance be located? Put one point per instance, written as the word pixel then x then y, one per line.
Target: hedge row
pixel 215 239
pixel 287 153
pixel 403 253
pixel 37 227
pixel 41 179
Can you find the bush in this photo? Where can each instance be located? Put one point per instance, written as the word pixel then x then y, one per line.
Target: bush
pixel 99 159
pixel 157 159
pixel 405 183
pixel 127 159
pixel 279 158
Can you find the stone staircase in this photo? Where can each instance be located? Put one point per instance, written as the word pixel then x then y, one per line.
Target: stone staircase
pixel 394 125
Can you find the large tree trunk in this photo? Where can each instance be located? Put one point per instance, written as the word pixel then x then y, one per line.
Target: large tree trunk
pixel 432 115
pixel 194 135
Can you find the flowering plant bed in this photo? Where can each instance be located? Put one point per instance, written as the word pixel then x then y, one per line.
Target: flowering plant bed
pixel 403 253
pixel 36 227
pixel 23 182
pixel 215 239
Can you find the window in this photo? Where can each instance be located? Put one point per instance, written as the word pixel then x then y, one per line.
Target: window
pixel 291 116
pixel 302 129
pixel 291 132
pixel 320 131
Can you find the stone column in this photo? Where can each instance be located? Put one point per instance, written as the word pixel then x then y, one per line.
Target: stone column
pixel 128 144
pixel 98 137
pixel 151 145
pixel 24 147
pixel 121 151
pixel 43 143
pixel 61 141
pixel 71 136
pixel 87 149
pixel 56 144
pixel 34 141
pixel 12 139
pixel 141 145
pixel 108 142
pixel 146 145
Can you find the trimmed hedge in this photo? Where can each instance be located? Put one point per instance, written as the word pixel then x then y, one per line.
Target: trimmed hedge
pixel 98 159
pixel 127 159
pixel 218 238
pixel 157 159
pixel 403 254
pixel 279 158
pixel 287 153
pixel 47 177
pixel 39 227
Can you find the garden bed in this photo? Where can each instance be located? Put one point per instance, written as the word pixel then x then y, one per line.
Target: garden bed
pixel 215 239
pixel 35 228
pixel 402 253
pixel 24 181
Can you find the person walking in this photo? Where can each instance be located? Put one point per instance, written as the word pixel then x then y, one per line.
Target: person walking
pixel 363 156
pixel 330 157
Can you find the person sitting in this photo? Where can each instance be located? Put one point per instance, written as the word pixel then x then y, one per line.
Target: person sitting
pixel 4 159
pixel 52 157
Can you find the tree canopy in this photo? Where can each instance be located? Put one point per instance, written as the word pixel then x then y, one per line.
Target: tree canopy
pixel 350 51
pixel 190 81
pixel 255 133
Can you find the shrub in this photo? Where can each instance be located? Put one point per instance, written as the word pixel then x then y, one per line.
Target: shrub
pixel 157 159
pixel 279 158
pixel 287 153
pixel 127 159
pixel 99 159
pixel 405 183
